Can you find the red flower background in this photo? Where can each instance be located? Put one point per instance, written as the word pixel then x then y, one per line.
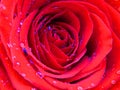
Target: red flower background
pixel 59 44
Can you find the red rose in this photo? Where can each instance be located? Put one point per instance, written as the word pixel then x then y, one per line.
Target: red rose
pixel 59 45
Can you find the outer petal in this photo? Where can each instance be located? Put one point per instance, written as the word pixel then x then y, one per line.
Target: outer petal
pixel 113 64
pixel 17 81
pixel 6 17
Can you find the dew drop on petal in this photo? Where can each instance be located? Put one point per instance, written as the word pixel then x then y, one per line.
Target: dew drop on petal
pixel 17 48
pixel 33 89
pixel 24 51
pixel 28 64
pixel 21 23
pixel 14 44
pixel 10 24
pixel 92 84
pixel 39 74
pixel 118 72
pixel 9 45
pixel 13 57
pixel 22 45
pixel 113 82
pixel 49 27
pixel 79 88
pixel 31 62
pixel 18 63
pixel 54 82
pixel 23 74
pixel 2 6
pixel 18 30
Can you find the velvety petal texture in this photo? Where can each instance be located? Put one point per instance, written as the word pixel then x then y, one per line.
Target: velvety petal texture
pixel 59 45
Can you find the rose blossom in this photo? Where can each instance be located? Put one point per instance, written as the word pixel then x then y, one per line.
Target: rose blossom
pixel 59 45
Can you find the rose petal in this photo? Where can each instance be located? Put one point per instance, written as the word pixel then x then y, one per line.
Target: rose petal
pixel 113 65
pixel 104 42
pixel 15 78
pixel 5 83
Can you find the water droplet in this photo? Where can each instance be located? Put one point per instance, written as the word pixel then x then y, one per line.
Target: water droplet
pixel 18 63
pixel 21 23
pixel 22 45
pixel 18 30
pixel 39 74
pixel 33 89
pixel 92 84
pixel 9 45
pixel 28 64
pixel 23 74
pixel 113 81
pixel 31 62
pixel 14 44
pixel 54 82
pixel 2 6
pixel 16 48
pixel 13 57
pixel 24 51
pixel 118 72
pixel 10 24
pixel 79 88
pixel 49 27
